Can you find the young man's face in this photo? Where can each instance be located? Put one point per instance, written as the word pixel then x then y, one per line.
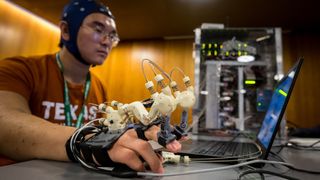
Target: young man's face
pixel 96 36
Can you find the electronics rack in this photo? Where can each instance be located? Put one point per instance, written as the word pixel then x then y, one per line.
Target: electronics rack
pixel 231 92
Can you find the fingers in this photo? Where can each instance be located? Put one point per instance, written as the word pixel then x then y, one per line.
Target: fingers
pixel 129 147
pixel 152 134
pixel 184 138
pixel 131 143
pixel 174 146
pixel 144 149
pixel 126 156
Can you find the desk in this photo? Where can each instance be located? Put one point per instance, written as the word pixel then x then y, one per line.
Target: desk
pixel 52 170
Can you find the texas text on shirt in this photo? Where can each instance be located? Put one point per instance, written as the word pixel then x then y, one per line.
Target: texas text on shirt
pixel 39 80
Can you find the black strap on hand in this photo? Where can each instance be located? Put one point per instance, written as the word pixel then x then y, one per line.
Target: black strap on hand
pixel 98 145
pixel 140 129
pixel 140 132
pixel 93 151
pixel 69 151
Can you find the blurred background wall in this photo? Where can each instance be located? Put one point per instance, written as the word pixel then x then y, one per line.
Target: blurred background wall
pixel 22 33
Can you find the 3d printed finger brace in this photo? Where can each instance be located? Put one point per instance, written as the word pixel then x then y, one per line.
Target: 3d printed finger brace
pixel 89 144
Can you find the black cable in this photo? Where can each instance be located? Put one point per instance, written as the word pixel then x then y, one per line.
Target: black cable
pixel 315 143
pixel 252 168
pixel 299 147
pixel 294 168
pixel 277 156
pixel 281 147
pixel 308 147
pixel 261 172
pixel 293 124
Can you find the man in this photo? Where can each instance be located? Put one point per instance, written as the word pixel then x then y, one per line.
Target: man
pixel 39 93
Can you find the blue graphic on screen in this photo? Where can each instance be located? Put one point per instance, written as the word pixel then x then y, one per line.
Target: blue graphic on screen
pixel 276 105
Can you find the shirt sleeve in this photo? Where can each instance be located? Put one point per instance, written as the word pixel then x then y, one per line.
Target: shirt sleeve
pixel 16 76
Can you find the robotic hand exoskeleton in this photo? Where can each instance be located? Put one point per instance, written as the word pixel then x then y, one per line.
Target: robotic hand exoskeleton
pixel 184 99
pixel 89 144
pixel 164 104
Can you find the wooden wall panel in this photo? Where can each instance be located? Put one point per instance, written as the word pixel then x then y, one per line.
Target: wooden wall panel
pixel 125 61
pixel 122 72
pixel 24 34
pixel 303 110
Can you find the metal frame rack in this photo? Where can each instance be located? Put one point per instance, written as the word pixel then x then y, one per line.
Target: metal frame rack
pixel 217 51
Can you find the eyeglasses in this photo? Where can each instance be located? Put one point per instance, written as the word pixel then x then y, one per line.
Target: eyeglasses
pixel 103 34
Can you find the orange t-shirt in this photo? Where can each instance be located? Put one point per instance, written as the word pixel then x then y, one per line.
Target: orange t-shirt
pixel 40 81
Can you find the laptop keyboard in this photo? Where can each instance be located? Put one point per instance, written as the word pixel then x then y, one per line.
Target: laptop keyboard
pixel 221 148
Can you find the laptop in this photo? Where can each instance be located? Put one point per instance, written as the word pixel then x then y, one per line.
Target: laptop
pixel 235 150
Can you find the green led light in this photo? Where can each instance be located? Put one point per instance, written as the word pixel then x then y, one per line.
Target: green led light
pixel 239 53
pixel 215 53
pixel 227 53
pixel 210 45
pixel 203 46
pixel 209 53
pixel 282 92
pixel 215 45
pixel 259 104
pixel 250 82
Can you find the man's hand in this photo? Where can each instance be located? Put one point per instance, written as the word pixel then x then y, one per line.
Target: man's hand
pixel 129 148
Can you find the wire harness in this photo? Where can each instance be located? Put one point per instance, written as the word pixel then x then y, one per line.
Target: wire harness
pixel 89 144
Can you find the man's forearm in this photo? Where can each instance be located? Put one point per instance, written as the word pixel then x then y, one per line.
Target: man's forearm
pixel 24 136
pixel 29 137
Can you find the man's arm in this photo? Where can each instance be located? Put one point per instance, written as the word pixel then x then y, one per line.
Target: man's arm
pixel 24 136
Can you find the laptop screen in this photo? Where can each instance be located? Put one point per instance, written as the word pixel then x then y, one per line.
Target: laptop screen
pixel 276 108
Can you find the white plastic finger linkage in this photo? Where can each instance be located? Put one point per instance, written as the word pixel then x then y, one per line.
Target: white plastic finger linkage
pixel 169 157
